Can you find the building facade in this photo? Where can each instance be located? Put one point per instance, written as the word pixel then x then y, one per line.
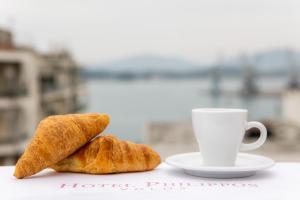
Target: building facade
pixel 33 85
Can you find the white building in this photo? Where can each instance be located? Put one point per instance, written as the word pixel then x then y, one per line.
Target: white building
pixel 32 86
pixel 291 106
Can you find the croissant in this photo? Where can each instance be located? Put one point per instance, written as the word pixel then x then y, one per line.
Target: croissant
pixel 107 154
pixel 57 137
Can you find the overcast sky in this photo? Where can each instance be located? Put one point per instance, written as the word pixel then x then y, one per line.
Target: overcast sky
pixel 99 31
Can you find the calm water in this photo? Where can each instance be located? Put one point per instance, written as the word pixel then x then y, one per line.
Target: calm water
pixel 132 104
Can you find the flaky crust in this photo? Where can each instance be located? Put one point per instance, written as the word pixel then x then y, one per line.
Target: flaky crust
pixel 57 137
pixel 107 154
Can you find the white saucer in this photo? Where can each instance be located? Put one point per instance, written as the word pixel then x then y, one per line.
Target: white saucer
pixel 246 165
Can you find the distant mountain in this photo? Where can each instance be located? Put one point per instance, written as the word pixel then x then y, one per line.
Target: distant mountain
pixel 273 61
pixel 148 63
pixel 277 61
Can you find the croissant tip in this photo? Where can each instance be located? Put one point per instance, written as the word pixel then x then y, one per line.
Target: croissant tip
pixel 106 117
pixel 18 174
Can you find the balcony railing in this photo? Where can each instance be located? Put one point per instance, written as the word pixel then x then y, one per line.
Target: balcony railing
pixel 12 92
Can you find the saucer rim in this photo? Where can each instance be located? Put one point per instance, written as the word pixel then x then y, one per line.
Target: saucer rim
pixel 169 160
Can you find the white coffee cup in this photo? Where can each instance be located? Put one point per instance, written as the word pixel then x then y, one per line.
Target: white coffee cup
pixel 220 132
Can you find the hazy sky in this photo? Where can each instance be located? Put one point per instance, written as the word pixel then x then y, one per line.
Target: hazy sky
pixel 98 31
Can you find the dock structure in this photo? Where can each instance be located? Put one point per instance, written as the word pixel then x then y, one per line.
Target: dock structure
pixel 294 72
pixel 215 80
pixel 33 85
pixel 249 87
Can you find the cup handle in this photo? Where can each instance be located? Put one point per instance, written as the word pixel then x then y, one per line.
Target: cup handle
pixel 262 138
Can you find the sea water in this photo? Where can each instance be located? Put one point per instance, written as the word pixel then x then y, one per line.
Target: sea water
pixel 132 104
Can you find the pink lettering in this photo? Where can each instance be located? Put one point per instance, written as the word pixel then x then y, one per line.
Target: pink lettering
pixel 151 184
pixel 88 185
pixel 169 184
pixel 252 185
pixel 102 185
pixel 124 187
pixel 68 185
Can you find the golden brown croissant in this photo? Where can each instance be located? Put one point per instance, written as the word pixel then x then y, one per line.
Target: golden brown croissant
pixel 57 137
pixel 107 154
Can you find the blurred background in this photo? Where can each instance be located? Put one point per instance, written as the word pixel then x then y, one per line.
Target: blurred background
pixel 147 64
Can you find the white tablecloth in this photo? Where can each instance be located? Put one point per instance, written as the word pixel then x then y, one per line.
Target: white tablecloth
pixel 280 182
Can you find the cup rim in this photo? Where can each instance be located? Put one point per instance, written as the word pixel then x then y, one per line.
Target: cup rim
pixel 219 110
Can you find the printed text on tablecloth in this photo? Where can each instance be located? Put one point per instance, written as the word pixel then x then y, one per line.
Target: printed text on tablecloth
pixel 155 186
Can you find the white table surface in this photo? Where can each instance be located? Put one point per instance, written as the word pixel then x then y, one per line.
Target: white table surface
pixel 279 182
